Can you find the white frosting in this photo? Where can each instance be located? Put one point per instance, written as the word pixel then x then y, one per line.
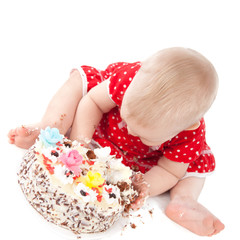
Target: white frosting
pixel 47 153
pixel 91 195
pixel 107 194
pixel 103 153
pixel 59 173
pixel 117 172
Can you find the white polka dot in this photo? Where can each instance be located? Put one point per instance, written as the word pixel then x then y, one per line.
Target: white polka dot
pixel 176 136
pixel 119 79
pixel 198 142
pixel 197 153
pixel 114 128
pixel 178 150
pixel 199 166
pixel 191 149
pixel 186 146
pixel 190 158
pixel 121 92
pixel 124 85
pixel 185 137
pixel 176 156
pixel 205 165
pixel 125 73
pixel 130 79
pixel 194 140
pixel 119 137
pixel 194 133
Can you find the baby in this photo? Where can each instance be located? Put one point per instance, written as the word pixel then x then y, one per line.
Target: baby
pixel 151 114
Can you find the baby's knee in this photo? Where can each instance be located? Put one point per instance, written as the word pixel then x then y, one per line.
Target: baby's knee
pixel 74 73
pixel 75 79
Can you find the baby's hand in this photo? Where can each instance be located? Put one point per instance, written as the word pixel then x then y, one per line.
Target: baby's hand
pixel 142 187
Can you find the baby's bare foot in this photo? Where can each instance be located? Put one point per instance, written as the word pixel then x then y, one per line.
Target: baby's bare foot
pixel 24 136
pixel 193 216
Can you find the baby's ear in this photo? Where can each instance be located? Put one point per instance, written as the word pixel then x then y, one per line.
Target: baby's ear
pixel 194 126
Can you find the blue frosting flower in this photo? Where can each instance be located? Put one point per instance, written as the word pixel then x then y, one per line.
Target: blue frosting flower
pixel 50 136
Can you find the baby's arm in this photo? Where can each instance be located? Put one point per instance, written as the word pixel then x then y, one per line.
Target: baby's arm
pixel 89 112
pixel 158 179
pixel 164 175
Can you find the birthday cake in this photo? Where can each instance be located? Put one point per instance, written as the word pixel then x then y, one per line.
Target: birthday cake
pixel 72 186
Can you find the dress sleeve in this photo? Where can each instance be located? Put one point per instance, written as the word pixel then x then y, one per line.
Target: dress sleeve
pixel 121 76
pixel 187 146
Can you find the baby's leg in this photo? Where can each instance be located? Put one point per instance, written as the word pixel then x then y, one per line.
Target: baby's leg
pixel 60 113
pixel 187 212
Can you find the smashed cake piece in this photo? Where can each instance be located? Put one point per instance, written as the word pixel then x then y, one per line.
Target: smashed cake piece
pixel 72 186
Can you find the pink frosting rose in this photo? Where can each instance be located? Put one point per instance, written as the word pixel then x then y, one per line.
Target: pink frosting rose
pixel 72 160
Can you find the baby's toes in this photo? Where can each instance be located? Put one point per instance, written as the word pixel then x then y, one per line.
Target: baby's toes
pixel 22 131
pixel 11 136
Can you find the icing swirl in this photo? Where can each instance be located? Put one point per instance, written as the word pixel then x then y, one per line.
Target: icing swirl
pixel 72 160
pixel 50 137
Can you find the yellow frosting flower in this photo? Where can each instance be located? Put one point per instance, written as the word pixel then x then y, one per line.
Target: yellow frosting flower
pixel 93 180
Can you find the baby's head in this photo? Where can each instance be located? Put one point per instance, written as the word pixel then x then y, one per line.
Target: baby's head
pixel 170 93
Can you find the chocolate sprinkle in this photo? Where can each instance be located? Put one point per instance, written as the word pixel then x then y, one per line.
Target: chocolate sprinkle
pixel 83 193
pixel 91 155
pixel 54 153
pixel 112 195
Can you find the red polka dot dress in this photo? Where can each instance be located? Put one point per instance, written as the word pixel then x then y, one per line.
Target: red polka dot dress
pixel 187 147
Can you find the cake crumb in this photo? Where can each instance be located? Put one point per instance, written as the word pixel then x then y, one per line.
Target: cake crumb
pixel 133 225
pixel 150 212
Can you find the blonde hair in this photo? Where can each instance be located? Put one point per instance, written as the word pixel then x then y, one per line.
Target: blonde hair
pixel 174 87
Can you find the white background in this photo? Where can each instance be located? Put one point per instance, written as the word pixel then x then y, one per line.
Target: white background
pixel 41 41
